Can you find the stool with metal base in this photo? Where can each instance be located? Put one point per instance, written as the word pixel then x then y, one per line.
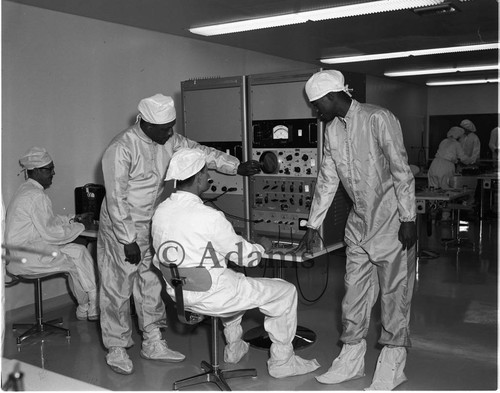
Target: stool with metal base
pixel 199 279
pixel 40 326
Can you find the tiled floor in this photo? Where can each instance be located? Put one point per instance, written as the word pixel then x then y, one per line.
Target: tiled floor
pixel 454 329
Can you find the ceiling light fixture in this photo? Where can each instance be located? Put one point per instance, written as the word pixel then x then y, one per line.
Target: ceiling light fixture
pixel 463 82
pixel 420 52
pixel 430 71
pixel 371 7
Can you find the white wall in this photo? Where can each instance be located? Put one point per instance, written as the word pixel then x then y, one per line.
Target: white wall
pixel 408 102
pixel 71 83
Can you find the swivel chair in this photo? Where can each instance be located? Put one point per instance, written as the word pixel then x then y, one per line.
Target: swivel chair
pixel 40 326
pixel 199 279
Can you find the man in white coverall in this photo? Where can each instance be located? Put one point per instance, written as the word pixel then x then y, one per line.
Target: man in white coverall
pixel 470 141
pixel 134 167
pixel 364 150
pixel 207 238
pixel 31 223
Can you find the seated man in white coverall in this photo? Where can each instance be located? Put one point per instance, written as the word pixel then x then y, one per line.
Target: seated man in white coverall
pixel 207 238
pixel 31 223
pixel 364 150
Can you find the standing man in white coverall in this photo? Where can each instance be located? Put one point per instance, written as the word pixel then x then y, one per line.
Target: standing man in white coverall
pixel 134 167
pixel 470 141
pixel 31 223
pixel 364 150
pixel 207 239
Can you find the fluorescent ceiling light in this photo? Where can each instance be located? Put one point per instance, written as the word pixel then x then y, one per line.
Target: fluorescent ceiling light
pixel 420 52
pixel 442 70
pixel 371 7
pixel 463 82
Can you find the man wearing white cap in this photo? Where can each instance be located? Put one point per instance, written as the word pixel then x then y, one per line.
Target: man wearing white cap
pixel 134 167
pixel 31 223
pixel 470 141
pixel 364 150
pixel 449 152
pixel 208 239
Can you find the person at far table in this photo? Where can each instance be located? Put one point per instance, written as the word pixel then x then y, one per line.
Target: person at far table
pixel 31 223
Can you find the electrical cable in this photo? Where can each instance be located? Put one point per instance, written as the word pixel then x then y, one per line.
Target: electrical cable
pixel 327 277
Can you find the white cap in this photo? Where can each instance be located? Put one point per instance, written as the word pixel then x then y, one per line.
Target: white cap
pixel 158 109
pixel 324 82
pixel 455 132
pixel 36 157
pixel 185 163
pixel 468 125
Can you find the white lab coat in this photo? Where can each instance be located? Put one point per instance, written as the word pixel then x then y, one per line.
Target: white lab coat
pixel 471 146
pixel 134 169
pixel 365 152
pixel 204 237
pixel 442 168
pixel 30 222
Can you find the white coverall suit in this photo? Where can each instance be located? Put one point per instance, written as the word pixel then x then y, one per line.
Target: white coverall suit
pixel 442 168
pixel 30 222
pixel 207 239
pixel 472 146
pixel 134 169
pixel 365 152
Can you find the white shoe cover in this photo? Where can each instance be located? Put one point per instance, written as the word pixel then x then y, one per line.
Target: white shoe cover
pixel 295 365
pixel 233 352
pixel 350 364
pixel 389 372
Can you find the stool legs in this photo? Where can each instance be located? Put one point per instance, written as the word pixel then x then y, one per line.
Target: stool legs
pixel 40 326
pixel 212 371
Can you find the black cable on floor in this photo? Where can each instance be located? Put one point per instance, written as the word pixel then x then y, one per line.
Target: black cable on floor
pixel 327 278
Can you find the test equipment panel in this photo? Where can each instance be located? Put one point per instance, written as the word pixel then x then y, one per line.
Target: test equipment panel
pixel 214 113
pixel 287 139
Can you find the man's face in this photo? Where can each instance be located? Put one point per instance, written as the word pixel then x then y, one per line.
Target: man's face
pixel 45 174
pixel 160 133
pixel 204 179
pixel 326 107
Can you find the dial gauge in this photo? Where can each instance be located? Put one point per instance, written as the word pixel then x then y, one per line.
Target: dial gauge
pixel 280 132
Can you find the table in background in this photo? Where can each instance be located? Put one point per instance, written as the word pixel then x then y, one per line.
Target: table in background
pixel 487 180
pixel 258 337
pixel 442 198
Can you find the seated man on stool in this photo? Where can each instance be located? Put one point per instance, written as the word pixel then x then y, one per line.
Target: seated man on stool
pixel 30 223
pixel 207 238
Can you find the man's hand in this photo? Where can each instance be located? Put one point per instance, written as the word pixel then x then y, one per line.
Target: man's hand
pixel 266 243
pixel 407 234
pixel 132 253
pixel 307 241
pixel 85 218
pixel 249 168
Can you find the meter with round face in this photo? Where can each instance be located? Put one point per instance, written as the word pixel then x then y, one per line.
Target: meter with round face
pixel 280 132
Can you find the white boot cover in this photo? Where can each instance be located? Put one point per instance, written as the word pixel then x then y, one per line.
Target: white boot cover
pixel 350 364
pixel 233 352
pixel 390 366
pixel 295 365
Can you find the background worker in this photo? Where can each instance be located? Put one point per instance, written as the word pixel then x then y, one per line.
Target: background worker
pixel 207 239
pixel 134 167
pixel 493 145
pixel 363 149
pixel 470 141
pixel 449 152
pixel 31 223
